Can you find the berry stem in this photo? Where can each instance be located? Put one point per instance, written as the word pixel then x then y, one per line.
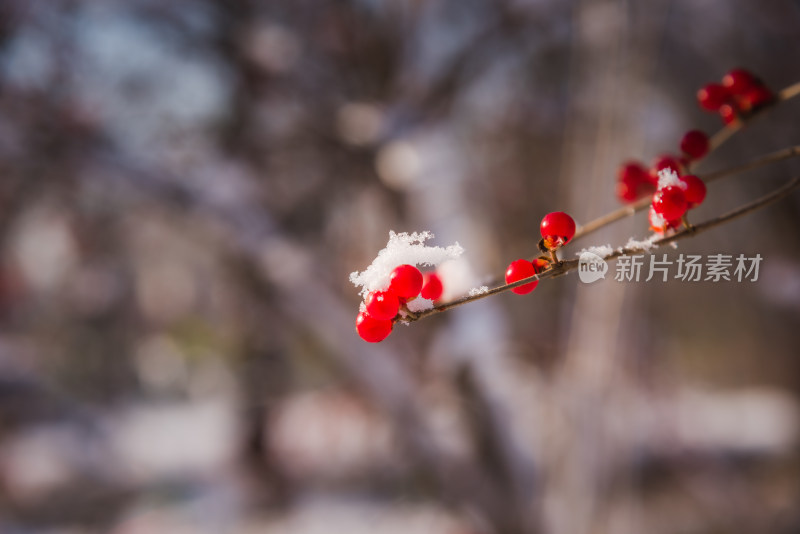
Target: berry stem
pixel 553 256
pixel 566 266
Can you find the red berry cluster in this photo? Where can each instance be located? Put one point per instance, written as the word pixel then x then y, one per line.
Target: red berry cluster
pixel 381 308
pixel 673 199
pixel 739 94
pixel 634 181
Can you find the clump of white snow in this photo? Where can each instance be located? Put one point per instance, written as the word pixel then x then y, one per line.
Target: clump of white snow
pixel 656 219
pixel 600 250
pixel 419 304
pixel 645 245
pixel 475 291
pixel 402 248
pixel 669 178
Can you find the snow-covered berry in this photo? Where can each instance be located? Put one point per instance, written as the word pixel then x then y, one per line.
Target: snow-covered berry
pixel 405 281
pixel 431 286
pixel 665 161
pixel 670 203
pixel 659 224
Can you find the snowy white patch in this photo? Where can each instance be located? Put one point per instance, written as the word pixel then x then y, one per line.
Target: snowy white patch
pixel 656 220
pixel 419 304
pixel 669 178
pixel 601 250
pixel 646 244
pixel 402 248
pixel 478 291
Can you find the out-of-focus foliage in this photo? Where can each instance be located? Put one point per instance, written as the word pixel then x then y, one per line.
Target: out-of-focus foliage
pixel 186 184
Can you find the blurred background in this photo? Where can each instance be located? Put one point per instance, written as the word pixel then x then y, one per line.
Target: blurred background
pixel 186 185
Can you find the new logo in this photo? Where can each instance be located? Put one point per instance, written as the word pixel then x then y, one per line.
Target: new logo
pixel 591 267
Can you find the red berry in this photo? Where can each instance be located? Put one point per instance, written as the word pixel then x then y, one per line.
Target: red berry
pixel 629 190
pixel 658 223
pixel 695 191
pixel 431 286
pixel 665 161
pixel 728 114
pixel 695 144
pixel 670 203
pixel 739 81
pixel 632 171
pixel 634 182
pixel 382 305
pixel 371 329
pixel 712 96
pixel 755 98
pixel 557 229
pixel 519 270
pixel 405 281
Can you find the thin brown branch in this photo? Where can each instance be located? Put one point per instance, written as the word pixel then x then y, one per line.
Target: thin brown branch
pixel 717 139
pixel 642 203
pixel 564 267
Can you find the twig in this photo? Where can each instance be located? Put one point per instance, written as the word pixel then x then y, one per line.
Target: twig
pixel 716 140
pixel 564 267
pixel 642 203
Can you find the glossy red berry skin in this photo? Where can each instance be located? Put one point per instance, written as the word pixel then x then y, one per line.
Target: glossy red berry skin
pixel 728 114
pixel 739 81
pixel 695 144
pixel 519 270
pixel 712 96
pixel 695 192
pixel 382 305
pixel 670 203
pixel 405 281
pixel 557 229
pixel 431 286
pixel 371 329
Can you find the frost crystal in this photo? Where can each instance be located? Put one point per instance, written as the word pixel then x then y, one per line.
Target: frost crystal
pixel 402 248
pixel 602 250
pixel 478 291
pixel 667 177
